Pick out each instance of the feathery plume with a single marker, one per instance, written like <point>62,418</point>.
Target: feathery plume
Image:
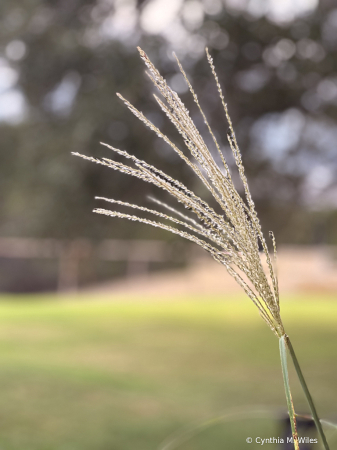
<point>232,237</point>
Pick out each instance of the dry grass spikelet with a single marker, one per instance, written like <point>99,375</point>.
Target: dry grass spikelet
<point>232,237</point>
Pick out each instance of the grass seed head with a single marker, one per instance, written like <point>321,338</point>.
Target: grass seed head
<point>231,237</point>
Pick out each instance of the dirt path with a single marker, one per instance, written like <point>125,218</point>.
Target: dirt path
<point>301,270</point>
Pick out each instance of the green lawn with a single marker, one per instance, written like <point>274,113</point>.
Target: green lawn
<point>80,374</point>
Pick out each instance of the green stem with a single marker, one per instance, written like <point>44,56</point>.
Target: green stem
<point>283,355</point>
<point>307,393</point>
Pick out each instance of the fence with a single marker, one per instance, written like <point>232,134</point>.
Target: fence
<point>137,253</point>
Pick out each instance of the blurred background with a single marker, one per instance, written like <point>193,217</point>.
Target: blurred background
<point>61,64</point>
<point>81,372</point>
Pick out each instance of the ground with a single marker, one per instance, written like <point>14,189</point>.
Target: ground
<point>80,373</point>
<point>301,270</point>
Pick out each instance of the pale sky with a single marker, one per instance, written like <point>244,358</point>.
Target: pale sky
<point>159,14</point>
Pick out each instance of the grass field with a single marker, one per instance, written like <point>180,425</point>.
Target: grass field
<point>80,374</point>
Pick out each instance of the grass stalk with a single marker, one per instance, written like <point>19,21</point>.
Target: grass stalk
<point>307,393</point>
<point>233,236</point>
<point>291,410</point>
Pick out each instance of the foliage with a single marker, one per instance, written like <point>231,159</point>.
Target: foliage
<point>266,68</point>
<point>273,75</point>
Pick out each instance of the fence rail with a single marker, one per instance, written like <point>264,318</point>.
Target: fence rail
<point>137,253</point>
